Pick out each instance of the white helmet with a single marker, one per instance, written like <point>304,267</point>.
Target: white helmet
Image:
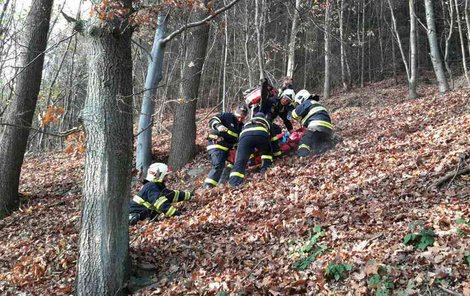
<point>157,171</point>
<point>301,96</point>
<point>289,93</point>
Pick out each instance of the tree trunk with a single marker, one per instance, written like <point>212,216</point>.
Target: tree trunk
<point>154,76</point>
<point>448,38</point>
<point>434,48</point>
<point>107,120</point>
<point>341,38</point>
<point>20,112</point>
<point>413,53</point>
<point>326,86</point>
<point>183,141</point>
<point>462,43</point>
<point>259,42</point>
<point>293,34</point>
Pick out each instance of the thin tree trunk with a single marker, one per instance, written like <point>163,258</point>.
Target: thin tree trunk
<point>154,76</point>
<point>20,112</point>
<point>462,43</point>
<point>247,40</point>
<point>107,119</point>
<point>259,43</point>
<point>224,87</point>
<point>341,38</point>
<point>363,43</point>
<point>326,86</point>
<point>293,34</point>
<point>183,141</point>
<point>448,38</point>
<point>413,53</point>
<point>434,48</point>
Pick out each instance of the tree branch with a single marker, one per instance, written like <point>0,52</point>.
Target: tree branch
<point>198,23</point>
<point>59,134</point>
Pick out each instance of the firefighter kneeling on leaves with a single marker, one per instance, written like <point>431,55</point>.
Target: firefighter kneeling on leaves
<point>154,198</point>
<point>225,128</point>
<point>256,134</point>
<point>315,118</point>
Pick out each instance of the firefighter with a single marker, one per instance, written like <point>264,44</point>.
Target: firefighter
<point>225,128</point>
<point>256,135</point>
<point>154,198</point>
<point>316,119</point>
<point>281,106</point>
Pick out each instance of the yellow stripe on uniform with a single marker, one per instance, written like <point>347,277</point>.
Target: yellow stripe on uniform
<point>305,146</point>
<point>229,165</point>
<point>313,111</point>
<point>267,157</point>
<point>217,146</point>
<point>320,123</point>
<point>295,116</point>
<point>237,174</point>
<point>215,137</point>
<point>210,181</point>
<point>177,194</point>
<point>171,211</point>
<point>275,138</point>
<point>187,195</point>
<point>159,202</point>
<point>252,129</point>
<point>139,200</point>
<point>277,153</point>
<point>233,134</point>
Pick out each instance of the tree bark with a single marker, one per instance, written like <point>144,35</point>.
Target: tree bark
<point>326,86</point>
<point>259,40</point>
<point>20,112</point>
<point>183,141</point>
<point>462,43</point>
<point>154,76</point>
<point>293,34</point>
<point>107,120</point>
<point>434,48</point>
<point>413,53</point>
<point>343,54</point>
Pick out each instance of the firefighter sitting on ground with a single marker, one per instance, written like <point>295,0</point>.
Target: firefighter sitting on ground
<point>281,106</point>
<point>225,128</point>
<point>154,198</point>
<point>256,135</point>
<point>316,119</point>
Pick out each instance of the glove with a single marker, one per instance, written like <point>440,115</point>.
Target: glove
<point>222,128</point>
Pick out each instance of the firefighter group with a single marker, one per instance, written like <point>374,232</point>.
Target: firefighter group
<point>245,137</point>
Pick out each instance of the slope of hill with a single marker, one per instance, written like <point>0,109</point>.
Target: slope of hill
<point>282,232</point>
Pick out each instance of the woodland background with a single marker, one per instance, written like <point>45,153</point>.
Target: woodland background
<point>385,212</point>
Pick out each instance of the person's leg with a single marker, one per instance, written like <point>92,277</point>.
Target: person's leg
<point>218,158</point>
<point>264,146</point>
<point>305,144</point>
<point>244,150</point>
<point>321,142</point>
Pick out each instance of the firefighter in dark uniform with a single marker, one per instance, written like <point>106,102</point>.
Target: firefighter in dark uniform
<point>281,106</point>
<point>225,128</point>
<point>316,119</point>
<point>256,135</point>
<point>154,198</point>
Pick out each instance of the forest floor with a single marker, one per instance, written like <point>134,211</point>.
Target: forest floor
<point>331,224</point>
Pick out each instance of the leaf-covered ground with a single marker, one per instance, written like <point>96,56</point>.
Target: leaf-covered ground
<point>278,234</point>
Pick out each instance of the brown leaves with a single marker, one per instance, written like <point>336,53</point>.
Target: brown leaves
<point>51,115</point>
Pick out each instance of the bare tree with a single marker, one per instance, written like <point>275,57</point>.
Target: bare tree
<point>19,113</point>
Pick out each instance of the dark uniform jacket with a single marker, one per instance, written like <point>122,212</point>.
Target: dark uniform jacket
<point>154,196</point>
<point>313,115</point>
<point>230,137</point>
<point>273,108</point>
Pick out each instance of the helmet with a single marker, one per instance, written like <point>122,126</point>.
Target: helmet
<point>301,96</point>
<point>289,94</point>
<point>242,111</point>
<point>157,171</point>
